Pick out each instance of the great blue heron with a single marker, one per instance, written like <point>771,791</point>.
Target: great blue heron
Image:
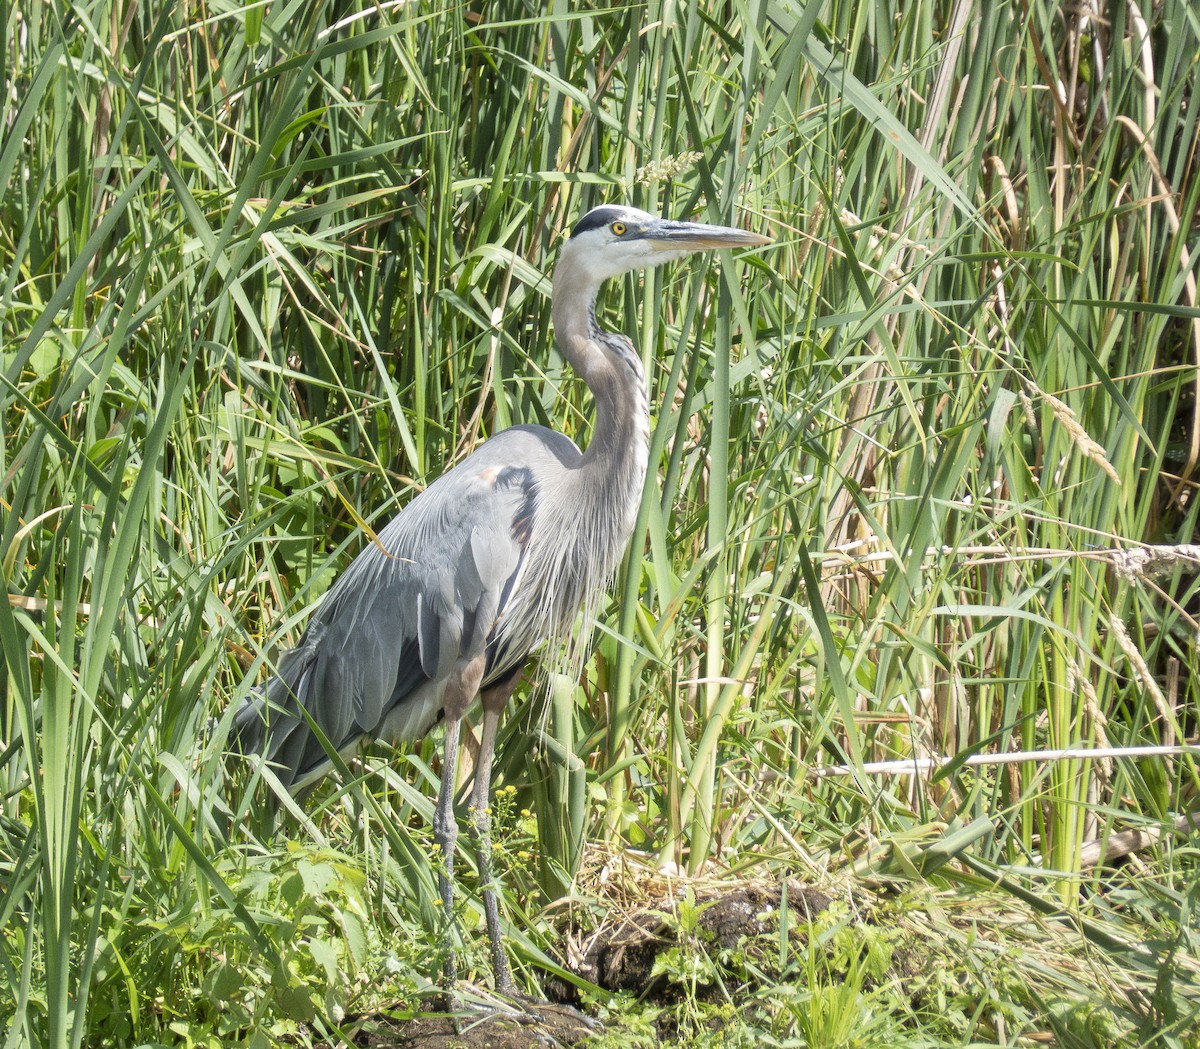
<point>495,557</point>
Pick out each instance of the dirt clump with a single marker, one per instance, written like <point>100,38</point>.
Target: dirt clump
<point>621,956</point>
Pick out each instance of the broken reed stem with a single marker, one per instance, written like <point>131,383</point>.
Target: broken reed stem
<point>1132,564</point>
<point>909,766</point>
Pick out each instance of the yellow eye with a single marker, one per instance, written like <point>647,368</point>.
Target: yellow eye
<point>618,228</point>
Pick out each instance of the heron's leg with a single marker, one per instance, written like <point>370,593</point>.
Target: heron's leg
<point>461,688</point>
<point>445,835</point>
<point>481,828</point>
<point>494,702</point>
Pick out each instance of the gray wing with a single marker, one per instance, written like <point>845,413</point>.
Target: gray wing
<point>428,595</point>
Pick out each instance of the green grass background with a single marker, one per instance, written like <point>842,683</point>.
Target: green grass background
<point>265,270</point>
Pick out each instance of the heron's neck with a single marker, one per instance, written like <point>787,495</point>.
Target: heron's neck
<point>615,460</point>
<point>621,432</point>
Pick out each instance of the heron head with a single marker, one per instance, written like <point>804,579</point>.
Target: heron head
<point>611,239</point>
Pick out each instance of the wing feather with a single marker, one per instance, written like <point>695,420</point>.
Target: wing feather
<point>427,595</point>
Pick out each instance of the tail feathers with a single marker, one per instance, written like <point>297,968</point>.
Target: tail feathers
<point>272,723</point>
<point>249,724</point>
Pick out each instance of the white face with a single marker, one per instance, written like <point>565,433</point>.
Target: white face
<point>610,240</point>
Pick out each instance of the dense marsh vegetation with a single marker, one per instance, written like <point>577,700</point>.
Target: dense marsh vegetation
<point>266,269</point>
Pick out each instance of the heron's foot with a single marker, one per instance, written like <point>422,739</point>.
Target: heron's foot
<point>540,1010</point>
<point>475,1010</point>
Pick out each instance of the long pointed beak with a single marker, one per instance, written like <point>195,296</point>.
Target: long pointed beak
<point>665,235</point>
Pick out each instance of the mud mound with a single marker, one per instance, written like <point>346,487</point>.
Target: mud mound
<point>622,956</point>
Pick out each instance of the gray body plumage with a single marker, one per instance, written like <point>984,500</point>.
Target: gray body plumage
<point>495,557</point>
<point>481,562</point>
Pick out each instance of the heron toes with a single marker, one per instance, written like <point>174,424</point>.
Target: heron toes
<point>539,1010</point>
<point>516,1019</point>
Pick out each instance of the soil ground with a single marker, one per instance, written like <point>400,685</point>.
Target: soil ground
<point>545,1024</point>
